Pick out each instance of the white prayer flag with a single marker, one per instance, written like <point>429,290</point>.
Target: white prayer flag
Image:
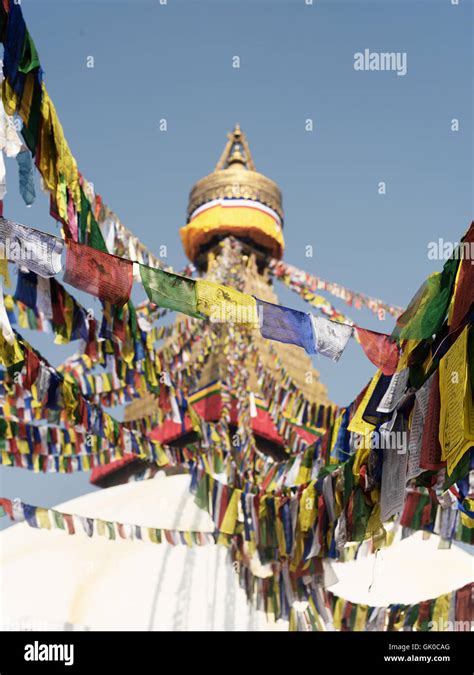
<point>330,337</point>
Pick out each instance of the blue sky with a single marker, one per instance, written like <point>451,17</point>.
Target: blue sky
<point>174,61</point>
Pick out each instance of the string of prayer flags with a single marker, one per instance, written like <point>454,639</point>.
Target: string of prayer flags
<point>33,440</point>
<point>286,325</point>
<point>170,290</point>
<point>61,398</point>
<point>330,337</point>
<point>37,251</point>
<point>65,464</point>
<point>451,612</point>
<point>302,279</point>
<point>379,348</point>
<point>101,274</point>
<point>49,519</point>
<point>110,278</point>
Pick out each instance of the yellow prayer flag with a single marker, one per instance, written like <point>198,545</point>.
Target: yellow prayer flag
<point>10,99</point>
<point>188,539</point>
<point>456,426</point>
<point>357,424</point>
<point>440,614</point>
<point>398,625</point>
<point>360,618</point>
<point>337,614</point>
<point>10,354</point>
<point>230,518</point>
<point>224,304</point>
<point>42,518</point>
<point>307,510</point>
<point>6,278</point>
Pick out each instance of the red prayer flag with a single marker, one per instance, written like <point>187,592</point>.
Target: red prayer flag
<point>411,504</point>
<point>101,274</point>
<point>424,611</point>
<point>91,345</point>
<point>379,349</point>
<point>58,302</point>
<point>32,369</point>
<point>68,519</point>
<point>6,504</point>
<point>430,457</point>
<point>464,606</point>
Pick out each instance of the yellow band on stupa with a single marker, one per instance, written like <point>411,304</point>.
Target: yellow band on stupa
<point>249,220</point>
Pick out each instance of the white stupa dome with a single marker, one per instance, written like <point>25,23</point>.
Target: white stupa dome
<point>51,580</point>
<point>407,572</point>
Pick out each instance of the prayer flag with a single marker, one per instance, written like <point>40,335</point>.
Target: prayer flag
<point>170,290</point>
<point>224,304</point>
<point>426,312</point>
<point>464,290</point>
<point>286,325</point>
<point>38,251</point>
<point>330,337</point>
<point>101,274</point>
<point>380,349</point>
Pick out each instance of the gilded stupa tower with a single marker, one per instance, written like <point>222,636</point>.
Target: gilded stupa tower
<point>234,228</point>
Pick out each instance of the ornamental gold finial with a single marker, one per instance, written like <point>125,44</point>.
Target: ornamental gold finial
<point>236,151</point>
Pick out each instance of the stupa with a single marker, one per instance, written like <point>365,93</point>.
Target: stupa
<point>234,228</point>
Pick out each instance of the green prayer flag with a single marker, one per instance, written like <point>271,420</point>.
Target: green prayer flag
<point>348,481</point>
<point>426,312</point>
<point>58,520</point>
<point>412,617</point>
<point>423,502</point>
<point>83,213</point>
<point>360,515</point>
<point>201,497</point>
<point>29,56</point>
<point>170,290</point>
<point>132,319</point>
<point>111,530</point>
<point>460,470</point>
<point>96,239</point>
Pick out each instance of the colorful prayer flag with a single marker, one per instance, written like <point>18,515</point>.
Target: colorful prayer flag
<point>330,337</point>
<point>170,290</point>
<point>286,325</point>
<point>101,274</point>
<point>380,349</point>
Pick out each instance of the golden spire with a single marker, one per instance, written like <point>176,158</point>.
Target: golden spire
<point>236,151</point>
<point>235,177</point>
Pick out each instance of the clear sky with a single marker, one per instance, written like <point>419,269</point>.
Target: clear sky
<point>175,61</point>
